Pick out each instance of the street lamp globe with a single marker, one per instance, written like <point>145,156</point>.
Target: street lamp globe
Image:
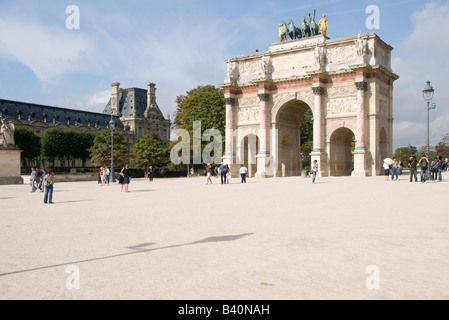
<point>112,124</point>
<point>428,91</point>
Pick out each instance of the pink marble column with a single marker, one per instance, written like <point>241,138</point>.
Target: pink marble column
<point>229,126</point>
<point>264,97</point>
<point>318,92</point>
<point>360,135</point>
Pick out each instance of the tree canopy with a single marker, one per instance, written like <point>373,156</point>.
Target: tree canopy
<point>204,104</point>
<point>100,152</point>
<point>66,144</point>
<point>442,148</point>
<point>28,142</point>
<point>149,151</point>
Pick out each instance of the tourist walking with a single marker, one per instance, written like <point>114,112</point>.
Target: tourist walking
<point>413,165</point>
<point>39,178</point>
<point>127,178</point>
<point>121,179</point>
<point>440,168</point>
<point>33,180</point>
<point>424,164</point>
<point>44,173</point>
<point>106,174</point>
<point>394,169</point>
<point>228,175</point>
<point>150,174</point>
<point>243,171</point>
<point>434,168</point>
<point>223,171</point>
<point>49,181</point>
<point>208,173</point>
<point>100,176</point>
<point>314,170</point>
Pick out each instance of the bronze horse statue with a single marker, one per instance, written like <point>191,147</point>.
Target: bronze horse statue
<point>293,31</point>
<point>283,31</point>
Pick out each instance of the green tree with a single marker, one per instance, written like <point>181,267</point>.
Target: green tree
<point>442,148</point>
<point>28,142</point>
<point>205,104</point>
<point>413,150</point>
<point>67,144</point>
<point>53,144</point>
<point>422,150</point>
<point>84,141</point>
<point>149,151</point>
<point>403,154</point>
<point>306,137</point>
<point>100,152</point>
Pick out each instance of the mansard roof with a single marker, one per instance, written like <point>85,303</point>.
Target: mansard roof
<point>133,103</point>
<point>33,112</point>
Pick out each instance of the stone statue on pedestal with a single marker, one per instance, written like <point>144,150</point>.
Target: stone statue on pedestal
<point>7,134</point>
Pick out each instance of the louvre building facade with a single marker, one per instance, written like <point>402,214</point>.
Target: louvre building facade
<point>134,111</point>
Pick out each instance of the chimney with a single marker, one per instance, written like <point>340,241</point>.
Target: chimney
<point>115,98</point>
<point>151,95</point>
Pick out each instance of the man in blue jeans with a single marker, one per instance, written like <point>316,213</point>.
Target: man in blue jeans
<point>424,163</point>
<point>223,171</point>
<point>394,169</point>
<point>440,168</point>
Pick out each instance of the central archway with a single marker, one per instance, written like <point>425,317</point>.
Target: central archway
<point>288,125</point>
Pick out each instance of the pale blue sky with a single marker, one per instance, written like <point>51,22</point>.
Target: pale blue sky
<point>180,44</point>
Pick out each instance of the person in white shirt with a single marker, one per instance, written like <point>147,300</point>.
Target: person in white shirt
<point>314,170</point>
<point>243,171</point>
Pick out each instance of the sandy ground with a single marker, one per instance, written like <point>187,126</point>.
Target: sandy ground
<point>268,239</point>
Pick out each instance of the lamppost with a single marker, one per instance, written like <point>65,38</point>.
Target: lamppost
<point>112,127</point>
<point>428,92</point>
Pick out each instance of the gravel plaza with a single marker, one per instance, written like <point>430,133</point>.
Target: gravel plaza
<point>176,239</point>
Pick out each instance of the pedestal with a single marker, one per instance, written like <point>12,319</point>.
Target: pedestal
<point>10,165</point>
<point>360,161</point>
<point>262,170</point>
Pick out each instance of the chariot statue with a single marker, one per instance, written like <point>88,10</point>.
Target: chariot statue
<point>307,28</point>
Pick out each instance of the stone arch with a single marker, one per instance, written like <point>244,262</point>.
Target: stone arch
<point>287,121</point>
<point>247,149</point>
<point>281,102</point>
<point>341,161</point>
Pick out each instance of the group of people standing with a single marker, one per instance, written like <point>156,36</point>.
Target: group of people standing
<point>103,176</point>
<point>223,171</point>
<point>43,180</point>
<point>437,166</point>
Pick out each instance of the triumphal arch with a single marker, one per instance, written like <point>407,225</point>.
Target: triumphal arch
<point>346,82</point>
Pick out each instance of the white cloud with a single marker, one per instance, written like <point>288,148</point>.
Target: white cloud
<point>47,51</point>
<point>422,56</point>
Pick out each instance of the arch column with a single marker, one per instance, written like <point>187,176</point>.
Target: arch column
<point>229,156</point>
<point>263,156</point>
<point>318,151</point>
<point>360,151</point>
